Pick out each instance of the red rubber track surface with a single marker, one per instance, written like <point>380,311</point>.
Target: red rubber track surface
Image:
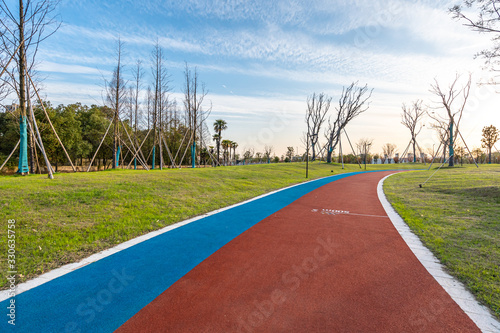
<point>301,270</point>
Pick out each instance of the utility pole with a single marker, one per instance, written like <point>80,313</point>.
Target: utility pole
<point>307,155</point>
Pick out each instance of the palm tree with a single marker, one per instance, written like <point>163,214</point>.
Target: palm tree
<point>230,146</point>
<point>219,126</point>
<point>234,146</point>
<point>211,153</point>
<point>225,145</point>
<point>216,138</point>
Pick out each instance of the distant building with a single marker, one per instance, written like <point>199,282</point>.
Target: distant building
<point>11,108</point>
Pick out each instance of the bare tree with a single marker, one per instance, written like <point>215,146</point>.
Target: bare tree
<point>160,91</point>
<point>138,74</point>
<point>248,154</point>
<point>268,150</point>
<point>258,156</point>
<point>194,95</point>
<point>5,59</point>
<point>410,118</point>
<point>149,107</point>
<point>453,115</point>
<point>289,153</point>
<point>116,98</point>
<point>442,130</point>
<point>20,37</point>
<point>352,103</point>
<point>388,150</point>
<point>364,145</point>
<point>487,20</point>
<point>134,104</point>
<point>317,108</point>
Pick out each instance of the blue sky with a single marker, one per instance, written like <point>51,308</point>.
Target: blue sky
<point>261,59</point>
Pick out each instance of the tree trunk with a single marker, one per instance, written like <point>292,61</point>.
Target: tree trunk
<point>414,152</point>
<point>117,101</point>
<point>329,156</point>
<point>313,157</point>
<point>23,151</point>
<point>218,146</point>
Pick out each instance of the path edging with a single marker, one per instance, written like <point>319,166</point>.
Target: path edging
<point>478,313</point>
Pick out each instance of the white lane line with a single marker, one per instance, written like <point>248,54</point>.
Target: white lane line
<point>478,313</point>
<point>386,217</point>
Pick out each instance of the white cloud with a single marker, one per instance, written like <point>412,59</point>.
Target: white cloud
<point>48,66</point>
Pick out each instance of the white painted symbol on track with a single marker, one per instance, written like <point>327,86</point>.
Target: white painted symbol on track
<point>331,211</point>
<point>325,211</point>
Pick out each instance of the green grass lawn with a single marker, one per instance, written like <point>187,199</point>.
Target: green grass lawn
<point>457,216</point>
<point>68,218</point>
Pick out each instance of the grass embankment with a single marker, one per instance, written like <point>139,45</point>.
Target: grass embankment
<point>457,216</point>
<point>66,219</point>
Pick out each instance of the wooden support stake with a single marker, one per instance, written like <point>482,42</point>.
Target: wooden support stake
<point>50,122</point>
<point>47,163</point>
<point>13,150</point>
<point>104,137</point>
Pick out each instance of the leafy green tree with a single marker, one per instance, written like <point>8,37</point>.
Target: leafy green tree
<point>9,135</point>
<point>67,127</point>
<point>204,156</point>
<point>73,131</point>
<point>93,122</point>
<point>490,137</point>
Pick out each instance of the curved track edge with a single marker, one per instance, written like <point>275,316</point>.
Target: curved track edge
<point>478,313</point>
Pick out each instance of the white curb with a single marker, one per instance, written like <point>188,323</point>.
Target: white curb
<point>479,314</point>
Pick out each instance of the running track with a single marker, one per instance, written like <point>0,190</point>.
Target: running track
<point>318,257</point>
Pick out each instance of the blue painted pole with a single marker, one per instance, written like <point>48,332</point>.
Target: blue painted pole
<point>135,163</point>
<point>118,156</point>
<point>23,148</point>
<point>153,164</point>
<point>451,145</point>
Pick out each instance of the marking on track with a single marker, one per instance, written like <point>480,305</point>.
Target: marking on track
<point>325,211</point>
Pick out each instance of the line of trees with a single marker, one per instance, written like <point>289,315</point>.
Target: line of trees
<point>82,129</point>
